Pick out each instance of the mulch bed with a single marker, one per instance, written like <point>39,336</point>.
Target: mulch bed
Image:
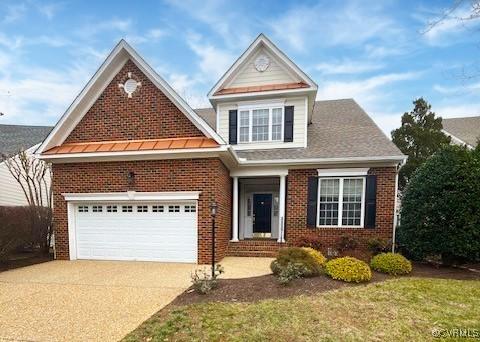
<point>267,287</point>
<point>24,259</point>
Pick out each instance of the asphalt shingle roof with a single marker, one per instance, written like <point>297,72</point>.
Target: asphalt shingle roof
<point>339,129</point>
<point>14,138</point>
<point>465,129</point>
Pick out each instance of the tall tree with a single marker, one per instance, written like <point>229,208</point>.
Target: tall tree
<point>419,136</point>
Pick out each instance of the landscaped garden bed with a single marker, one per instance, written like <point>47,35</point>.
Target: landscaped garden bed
<point>261,308</point>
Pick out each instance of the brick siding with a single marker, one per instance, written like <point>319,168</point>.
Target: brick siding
<point>149,114</point>
<point>296,220</point>
<point>209,176</point>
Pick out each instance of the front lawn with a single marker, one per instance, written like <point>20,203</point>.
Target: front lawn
<point>402,309</point>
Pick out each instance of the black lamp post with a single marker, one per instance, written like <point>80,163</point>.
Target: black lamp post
<point>213,212</point>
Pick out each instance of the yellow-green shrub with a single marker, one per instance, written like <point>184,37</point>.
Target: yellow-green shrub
<point>316,255</point>
<point>298,256</point>
<point>348,269</point>
<point>391,263</point>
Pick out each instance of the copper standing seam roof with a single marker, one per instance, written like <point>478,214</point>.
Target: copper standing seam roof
<point>267,87</point>
<point>133,145</point>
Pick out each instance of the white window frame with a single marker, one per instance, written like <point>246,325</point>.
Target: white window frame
<point>340,203</point>
<point>250,110</point>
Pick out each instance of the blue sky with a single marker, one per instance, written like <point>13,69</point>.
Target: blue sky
<point>375,53</point>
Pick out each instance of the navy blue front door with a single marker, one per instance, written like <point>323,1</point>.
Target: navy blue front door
<point>262,209</point>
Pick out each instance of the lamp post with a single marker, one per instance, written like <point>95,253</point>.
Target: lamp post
<point>213,212</point>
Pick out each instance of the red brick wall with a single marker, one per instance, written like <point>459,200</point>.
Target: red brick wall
<point>296,226</point>
<point>149,114</point>
<point>209,176</point>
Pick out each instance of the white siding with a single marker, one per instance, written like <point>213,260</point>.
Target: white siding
<point>299,133</point>
<point>249,76</point>
<point>11,192</point>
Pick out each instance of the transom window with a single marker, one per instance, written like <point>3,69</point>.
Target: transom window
<point>341,202</point>
<point>260,124</point>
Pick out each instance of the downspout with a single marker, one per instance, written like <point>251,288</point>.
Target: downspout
<point>395,214</point>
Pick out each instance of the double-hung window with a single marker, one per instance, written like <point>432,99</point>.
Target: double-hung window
<point>341,201</point>
<point>259,124</point>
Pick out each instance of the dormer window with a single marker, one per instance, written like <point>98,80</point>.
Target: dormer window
<point>260,123</point>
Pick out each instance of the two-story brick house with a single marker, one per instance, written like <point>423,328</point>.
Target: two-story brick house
<point>135,169</point>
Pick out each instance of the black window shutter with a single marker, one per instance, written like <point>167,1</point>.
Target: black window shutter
<point>232,126</point>
<point>288,124</point>
<point>312,201</point>
<point>370,201</point>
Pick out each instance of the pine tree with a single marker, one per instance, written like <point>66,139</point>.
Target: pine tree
<point>419,137</point>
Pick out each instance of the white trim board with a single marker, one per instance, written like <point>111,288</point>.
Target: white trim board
<point>131,196</point>
<point>100,80</point>
<point>342,172</point>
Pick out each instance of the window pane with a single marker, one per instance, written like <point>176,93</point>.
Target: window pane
<point>277,124</point>
<point>352,202</point>
<point>329,198</point>
<point>244,119</point>
<point>260,125</point>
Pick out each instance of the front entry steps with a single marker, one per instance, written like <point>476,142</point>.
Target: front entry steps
<point>255,248</point>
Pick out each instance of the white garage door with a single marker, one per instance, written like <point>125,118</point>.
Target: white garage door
<point>137,231</point>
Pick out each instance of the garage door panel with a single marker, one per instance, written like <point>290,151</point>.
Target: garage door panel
<point>154,236</point>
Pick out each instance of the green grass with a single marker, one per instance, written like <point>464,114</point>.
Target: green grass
<point>402,309</point>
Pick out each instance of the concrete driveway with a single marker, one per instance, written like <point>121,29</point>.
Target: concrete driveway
<point>95,300</point>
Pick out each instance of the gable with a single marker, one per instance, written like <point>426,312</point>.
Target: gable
<point>275,73</point>
<point>148,114</point>
<point>278,74</point>
<point>95,88</point>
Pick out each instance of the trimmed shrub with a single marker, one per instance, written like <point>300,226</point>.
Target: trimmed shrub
<point>311,241</point>
<point>318,256</point>
<point>348,269</point>
<point>441,207</point>
<point>297,256</point>
<point>391,263</point>
<point>377,245</point>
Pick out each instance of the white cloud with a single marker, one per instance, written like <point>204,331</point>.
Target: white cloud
<point>11,43</point>
<point>213,61</point>
<point>353,24</point>
<point>48,9</point>
<point>445,26</point>
<point>363,89</point>
<point>14,13</point>
<point>225,18</point>
<point>457,90</point>
<point>457,110</point>
<point>347,66</point>
<point>115,24</point>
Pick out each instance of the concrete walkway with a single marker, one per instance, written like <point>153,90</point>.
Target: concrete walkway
<point>95,300</point>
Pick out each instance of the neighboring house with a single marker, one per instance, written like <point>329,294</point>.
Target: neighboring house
<point>135,169</point>
<point>463,131</point>
<point>13,139</point>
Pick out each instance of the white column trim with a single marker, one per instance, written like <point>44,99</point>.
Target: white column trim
<point>281,209</point>
<point>72,239</point>
<point>235,211</point>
